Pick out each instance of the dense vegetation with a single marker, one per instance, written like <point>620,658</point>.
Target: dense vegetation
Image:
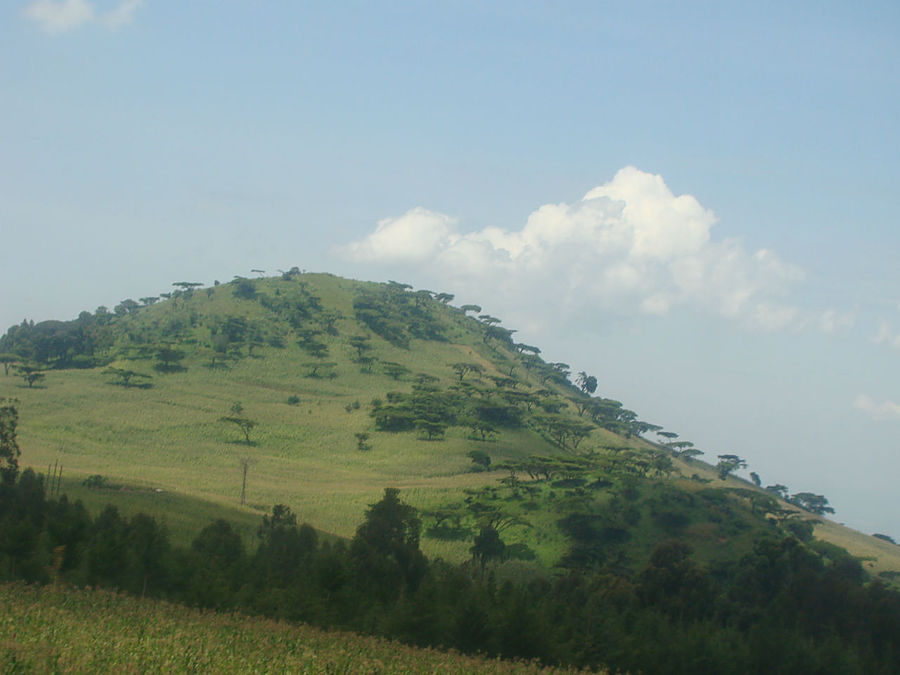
<point>782,608</point>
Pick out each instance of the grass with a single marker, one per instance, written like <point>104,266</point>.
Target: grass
<point>180,462</point>
<point>169,436</point>
<point>60,630</point>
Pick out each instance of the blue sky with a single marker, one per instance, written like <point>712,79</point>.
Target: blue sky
<point>696,202</point>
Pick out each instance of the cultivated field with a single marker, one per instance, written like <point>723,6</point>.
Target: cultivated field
<point>60,630</point>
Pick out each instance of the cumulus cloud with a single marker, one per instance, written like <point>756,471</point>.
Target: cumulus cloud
<point>413,237</point>
<point>61,16</point>
<point>886,410</point>
<point>629,245</point>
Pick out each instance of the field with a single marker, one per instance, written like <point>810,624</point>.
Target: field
<point>59,630</point>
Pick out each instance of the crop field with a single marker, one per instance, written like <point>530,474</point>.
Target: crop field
<point>54,629</point>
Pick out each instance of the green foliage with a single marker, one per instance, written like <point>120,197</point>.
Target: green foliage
<point>9,445</point>
<point>244,423</point>
<point>396,315</point>
<point>126,377</point>
<point>480,459</point>
<point>729,464</point>
<point>813,503</point>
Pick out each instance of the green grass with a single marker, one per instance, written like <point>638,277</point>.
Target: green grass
<point>169,436</point>
<point>181,463</point>
<point>183,516</point>
<point>59,630</point>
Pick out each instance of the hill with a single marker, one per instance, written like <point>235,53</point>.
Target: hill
<point>322,391</point>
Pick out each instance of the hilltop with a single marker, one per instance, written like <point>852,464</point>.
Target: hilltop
<point>323,391</point>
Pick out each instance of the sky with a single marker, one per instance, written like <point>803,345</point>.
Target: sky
<point>695,202</point>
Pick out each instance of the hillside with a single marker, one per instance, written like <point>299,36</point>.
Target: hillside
<point>328,390</point>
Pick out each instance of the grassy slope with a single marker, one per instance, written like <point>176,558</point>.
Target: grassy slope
<point>59,630</point>
<point>169,437</point>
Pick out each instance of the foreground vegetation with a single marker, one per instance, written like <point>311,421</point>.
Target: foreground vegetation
<point>63,630</point>
<point>786,608</point>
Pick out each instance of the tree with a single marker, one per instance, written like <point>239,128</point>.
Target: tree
<point>394,370</point>
<point>729,464</point>
<point>237,417</point>
<point>7,360</point>
<point>362,344</point>
<point>169,357</point>
<point>461,369</point>
<point>362,441</point>
<point>386,545</point>
<point>813,503</point>
<point>778,490</point>
<point>30,374</point>
<point>757,481</point>
<point>470,308</point>
<point>480,458</point>
<point>587,383</point>
<point>488,546</point>
<point>9,446</point>
<point>689,453</point>
<point>126,376</point>
<point>432,428</point>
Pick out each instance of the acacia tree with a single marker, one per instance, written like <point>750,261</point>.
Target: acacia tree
<point>394,370</point>
<point>126,376</point>
<point>462,369</point>
<point>587,383</point>
<point>729,464</point>
<point>237,417</point>
<point>813,503</point>
<point>30,374</point>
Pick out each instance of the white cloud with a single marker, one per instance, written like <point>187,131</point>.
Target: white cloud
<point>628,246</point>
<point>415,236</point>
<point>60,16</point>
<point>886,410</point>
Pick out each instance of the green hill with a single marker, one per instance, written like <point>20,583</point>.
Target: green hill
<point>323,391</point>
